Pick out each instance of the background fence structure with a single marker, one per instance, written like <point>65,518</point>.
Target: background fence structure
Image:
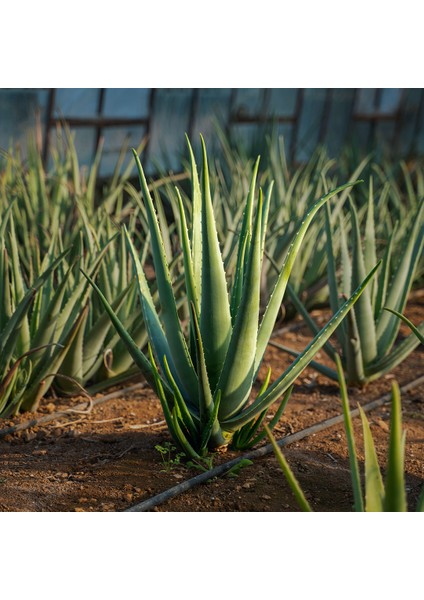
<point>389,120</point>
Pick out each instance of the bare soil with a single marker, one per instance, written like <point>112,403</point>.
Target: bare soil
<point>106,460</point>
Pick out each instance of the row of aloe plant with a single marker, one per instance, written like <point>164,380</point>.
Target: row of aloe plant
<point>95,342</point>
<point>53,224</point>
<point>367,338</point>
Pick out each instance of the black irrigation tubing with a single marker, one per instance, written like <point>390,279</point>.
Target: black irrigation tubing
<point>69,411</point>
<point>263,451</point>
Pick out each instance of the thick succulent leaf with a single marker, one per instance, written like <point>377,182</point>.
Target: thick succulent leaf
<point>42,376</point>
<point>189,267</point>
<point>288,474</point>
<point>411,326</point>
<point>353,459</point>
<point>154,328</point>
<point>244,245</point>
<point>374,488</point>
<point>400,285</point>
<point>196,232</point>
<point>181,357</point>
<point>352,351</point>
<point>383,278</point>
<point>237,373</point>
<point>277,295</point>
<point>395,496</point>
<point>370,254</point>
<point>207,402</point>
<point>398,354</point>
<point>363,309</point>
<point>215,318</point>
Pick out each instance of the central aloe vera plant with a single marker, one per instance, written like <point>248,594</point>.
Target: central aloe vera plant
<point>204,376</point>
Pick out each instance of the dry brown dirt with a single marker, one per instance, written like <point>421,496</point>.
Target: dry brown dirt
<point>106,460</point>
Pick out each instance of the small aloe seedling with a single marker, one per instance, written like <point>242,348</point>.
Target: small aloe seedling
<point>204,376</point>
<point>379,495</point>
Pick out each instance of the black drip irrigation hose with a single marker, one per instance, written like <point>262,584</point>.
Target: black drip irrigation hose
<point>69,411</point>
<point>176,490</point>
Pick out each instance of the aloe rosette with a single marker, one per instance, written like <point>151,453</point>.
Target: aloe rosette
<point>204,375</point>
<point>368,337</point>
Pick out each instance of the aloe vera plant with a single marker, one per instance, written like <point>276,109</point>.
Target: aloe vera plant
<point>204,379</point>
<point>378,495</point>
<point>367,337</point>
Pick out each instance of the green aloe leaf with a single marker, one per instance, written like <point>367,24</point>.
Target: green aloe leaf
<point>172,326</point>
<point>374,488</point>
<point>276,298</point>
<point>395,496</point>
<point>215,317</point>
<point>411,326</point>
<point>288,474</point>
<point>363,309</point>
<point>353,460</point>
<point>237,372</point>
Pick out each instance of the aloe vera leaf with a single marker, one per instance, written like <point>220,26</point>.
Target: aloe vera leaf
<point>189,267</point>
<point>288,474</point>
<point>352,351</point>
<point>215,317</point>
<point>272,423</point>
<point>353,459</point>
<point>72,364</point>
<point>395,357</point>
<point>332,273</point>
<point>401,283</point>
<point>95,335</point>
<point>346,262</point>
<point>210,428</point>
<point>8,335</point>
<point>383,278</point>
<point>137,355</point>
<point>49,365</point>
<point>157,336</point>
<point>323,369</point>
<point>186,416</point>
<point>207,402</point>
<point>157,383</point>
<point>244,244</point>
<point>276,298</point>
<point>363,309</point>
<point>245,433</point>
<point>395,496</point>
<point>236,378</point>
<point>300,363</point>
<point>301,309</point>
<point>196,232</point>
<point>24,340</point>
<point>184,370</point>
<point>411,326</point>
<point>374,488</point>
<point>370,254</point>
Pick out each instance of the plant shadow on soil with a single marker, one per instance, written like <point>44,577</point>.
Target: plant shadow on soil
<point>107,461</point>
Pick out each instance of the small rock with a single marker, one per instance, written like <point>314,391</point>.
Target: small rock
<point>28,436</point>
<point>40,452</point>
<point>79,509</point>
<point>266,497</point>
